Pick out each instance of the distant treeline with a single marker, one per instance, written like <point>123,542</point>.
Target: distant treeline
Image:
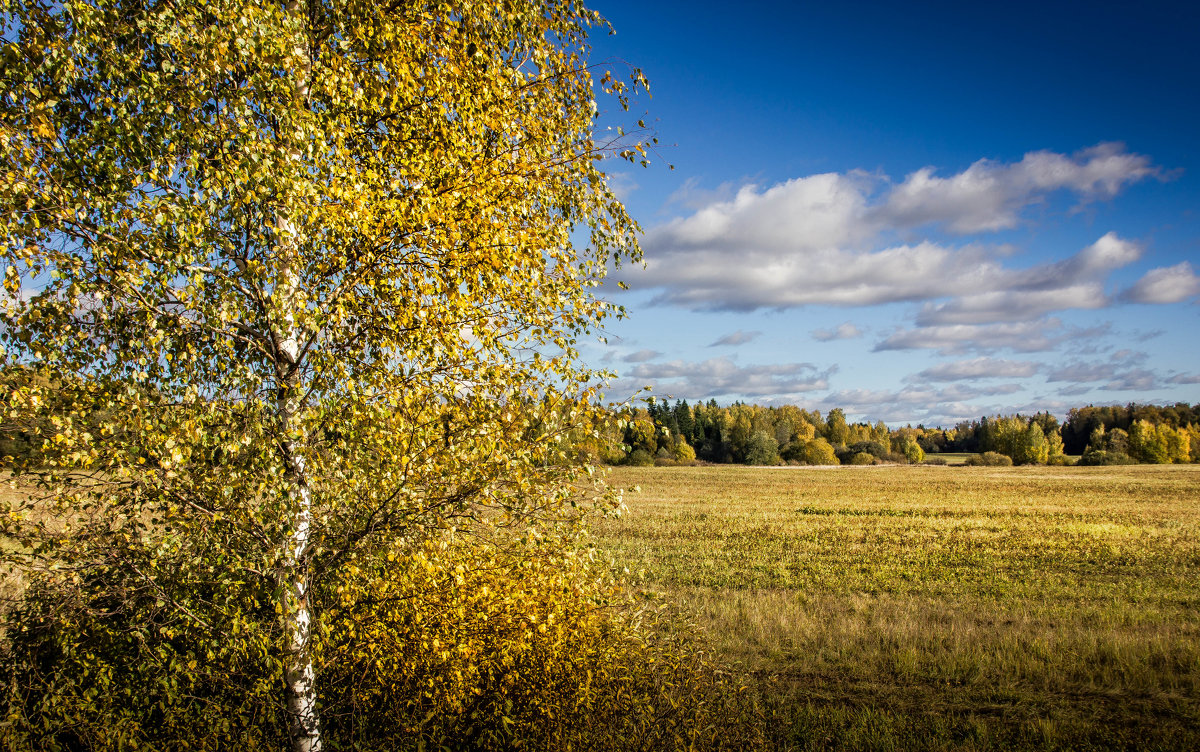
<point>664,434</point>
<point>680,433</point>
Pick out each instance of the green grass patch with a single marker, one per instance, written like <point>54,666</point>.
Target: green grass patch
<point>951,458</point>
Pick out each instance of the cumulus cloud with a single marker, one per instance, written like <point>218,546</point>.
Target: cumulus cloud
<point>1024,294</point>
<point>728,279</point>
<point>979,368</point>
<point>1167,284</point>
<point>989,196</point>
<point>860,239</point>
<point>845,330</point>
<point>720,377</point>
<point>824,239</point>
<point>804,214</point>
<point>1106,254</point>
<point>735,338</point>
<point>796,243</point>
<point>641,356</point>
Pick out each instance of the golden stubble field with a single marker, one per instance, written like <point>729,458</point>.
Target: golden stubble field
<point>937,607</point>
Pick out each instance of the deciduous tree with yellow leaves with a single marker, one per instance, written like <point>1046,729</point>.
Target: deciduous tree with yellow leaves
<point>303,282</point>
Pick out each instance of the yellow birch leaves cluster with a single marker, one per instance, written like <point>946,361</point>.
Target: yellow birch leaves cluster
<point>342,246</point>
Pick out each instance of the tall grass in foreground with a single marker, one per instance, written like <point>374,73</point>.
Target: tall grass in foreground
<point>939,607</point>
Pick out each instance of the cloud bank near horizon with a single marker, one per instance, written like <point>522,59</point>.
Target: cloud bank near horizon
<point>994,311</point>
<point>723,377</point>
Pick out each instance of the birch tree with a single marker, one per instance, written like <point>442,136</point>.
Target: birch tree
<point>305,279</point>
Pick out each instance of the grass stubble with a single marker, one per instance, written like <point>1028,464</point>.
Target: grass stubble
<point>897,608</point>
<point>933,608</point>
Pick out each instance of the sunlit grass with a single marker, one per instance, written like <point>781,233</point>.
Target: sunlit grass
<point>939,607</point>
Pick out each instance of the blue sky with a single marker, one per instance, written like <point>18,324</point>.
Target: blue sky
<point>916,212</point>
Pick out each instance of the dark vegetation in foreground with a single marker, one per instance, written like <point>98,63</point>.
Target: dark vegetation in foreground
<point>448,649</point>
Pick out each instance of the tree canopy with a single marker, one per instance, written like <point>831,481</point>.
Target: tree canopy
<point>304,283</point>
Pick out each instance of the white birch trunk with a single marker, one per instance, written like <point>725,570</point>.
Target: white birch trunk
<point>299,672</point>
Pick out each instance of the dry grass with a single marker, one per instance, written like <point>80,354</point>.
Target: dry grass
<point>939,607</point>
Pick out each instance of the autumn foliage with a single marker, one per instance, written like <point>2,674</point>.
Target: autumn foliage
<point>293,293</point>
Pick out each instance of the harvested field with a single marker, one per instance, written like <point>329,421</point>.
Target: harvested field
<point>938,607</point>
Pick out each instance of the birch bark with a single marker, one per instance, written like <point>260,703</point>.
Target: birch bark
<point>299,672</point>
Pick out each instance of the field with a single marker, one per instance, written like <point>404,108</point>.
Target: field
<point>953,458</point>
<point>937,607</point>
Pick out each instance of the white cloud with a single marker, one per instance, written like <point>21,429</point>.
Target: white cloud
<point>1167,284</point>
<point>715,279</point>
<point>1025,294</point>
<point>1106,254</point>
<point>857,239</point>
<point>845,330</point>
<point>1026,336</point>
<point>804,214</point>
<point>735,338</point>
<point>916,404</point>
<point>989,196</point>
<point>979,368</point>
<point>720,377</point>
<point>829,239</point>
<point>799,242</point>
<point>1011,305</point>
<point>1041,335</point>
